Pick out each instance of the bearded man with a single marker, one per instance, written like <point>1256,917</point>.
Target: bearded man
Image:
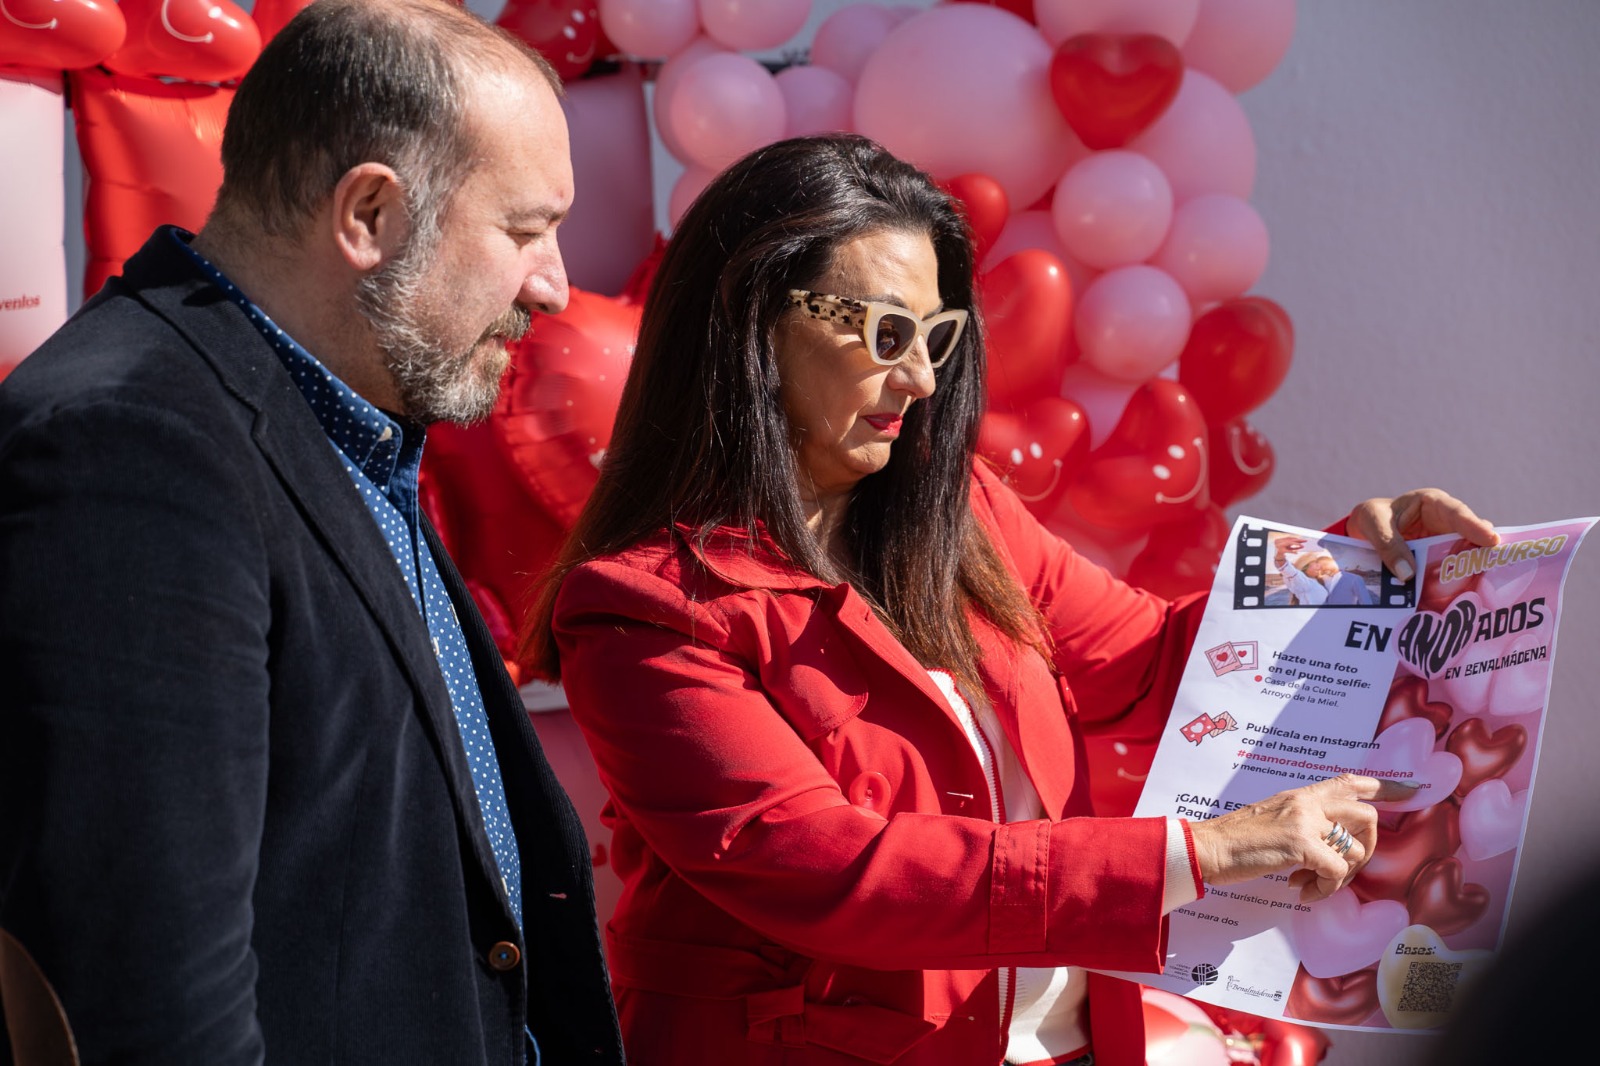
<point>266,791</point>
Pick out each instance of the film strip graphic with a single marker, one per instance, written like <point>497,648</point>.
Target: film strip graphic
<point>1252,563</point>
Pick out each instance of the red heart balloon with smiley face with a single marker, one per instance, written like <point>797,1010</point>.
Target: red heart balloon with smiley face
<point>1416,839</point>
<point>565,32</point>
<point>196,40</point>
<point>60,34</point>
<point>1441,899</point>
<point>1152,468</point>
<point>1111,87</point>
<point>1484,754</point>
<point>1348,999</point>
<point>1038,450</point>
<point>1241,462</point>
<point>1408,698</point>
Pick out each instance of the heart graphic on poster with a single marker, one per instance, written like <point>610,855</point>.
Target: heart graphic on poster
<point>1491,819</point>
<point>1408,698</point>
<point>1441,899</point>
<point>1341,934</point>
<point>1348,999</point>
<point>1407,748</point>
<point>1502,586</point>
<point>1430,640</point>
<point>1418,837</point>
<point>1521,687</point>
<point>1436,595</point>
<point>1417,945</point>
<point>1484,754</point>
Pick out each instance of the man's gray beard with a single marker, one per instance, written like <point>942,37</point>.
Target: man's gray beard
<point>433,387</point>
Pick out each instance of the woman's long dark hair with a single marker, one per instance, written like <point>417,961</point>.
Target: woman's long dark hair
<point>701,436</point>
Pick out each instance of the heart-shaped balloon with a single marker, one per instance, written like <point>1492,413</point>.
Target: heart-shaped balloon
<point>1027,310</point>
<point>1237,355</point>
<point>560,398</point>
<point>1484,754</point>
<point>1241,462</point>
<point>1491,819</point>
<point>1038,450</point>
<point>1416,839</point>
<point>1152,468</point>
<point>565,32</point>
<point>1441,899</point>
<point>1418,963</point>
<point>1178,1032</point>
<point>984,202</point>
<point>1341,934</point>
<point>60,34</point>
<point>1405,750</point>
<point>1345,999</point>
<point>1437,595</point>
<point>1111,87</point>
<point>1181,557</point>
<point>196,40</point>
<point>1408,698</point>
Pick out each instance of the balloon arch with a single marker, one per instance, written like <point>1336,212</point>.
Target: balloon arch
<point>1098,147</point>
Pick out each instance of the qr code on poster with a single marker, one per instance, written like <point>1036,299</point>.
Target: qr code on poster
<point>1430,987</point>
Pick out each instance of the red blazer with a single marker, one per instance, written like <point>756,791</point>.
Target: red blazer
<point>810,872</point>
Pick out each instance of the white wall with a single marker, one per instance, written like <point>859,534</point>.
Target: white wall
<point>1426,173</point>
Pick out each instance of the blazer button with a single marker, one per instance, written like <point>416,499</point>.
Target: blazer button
<point>870,790</point>
<point>504,956</point>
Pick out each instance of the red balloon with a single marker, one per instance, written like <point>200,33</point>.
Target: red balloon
<point>1348,999</point>
<point>1483,754</point>
<point>1408,698</point>
<point>1287,1044</point>
<point>1020,8</point>
<point>1038,450</point>
<point>1416,839</point>
<point>60,34</point>
<point>153,154</point>
<point>1111,87</point>
<point>272,15</point>
<point>1181,557</point>
<point>1152,468</point>
<point>1236,356</point>
<point>987,208</point>
<point>560,397</point>
<point>1027,313</point>
<point>1240,462</point>
<point>566,32</point>
<point>1441,899</point>
<point>196,40</point>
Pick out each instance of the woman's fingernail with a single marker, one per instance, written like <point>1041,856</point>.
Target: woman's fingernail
<point>1403,570</point>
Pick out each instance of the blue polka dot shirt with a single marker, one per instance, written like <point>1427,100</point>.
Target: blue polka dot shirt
<point>383,458</point>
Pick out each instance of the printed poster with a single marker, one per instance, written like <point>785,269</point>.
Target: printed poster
<point>1312,660</point>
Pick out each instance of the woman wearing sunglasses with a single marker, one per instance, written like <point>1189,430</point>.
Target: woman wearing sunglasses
<point>835,676</point>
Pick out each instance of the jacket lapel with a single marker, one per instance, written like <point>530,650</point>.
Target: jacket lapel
<point>293,443</point>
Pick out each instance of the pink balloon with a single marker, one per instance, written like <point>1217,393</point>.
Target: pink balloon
<point>964,88</point>
<point>1131,322</point>
<point>749,25</point>
<point>725,105</point>
<point>690,183</point>
<point>612,225</point>
<point>816,100</point>
<point>850,35</point>
<point>1112,209</point>
<point>1216,249</point>
<point>649,28</point>
<point>1240,42</point>
<point>1060,19</point>
<point>667,79</point>
<point>1202,142</point>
